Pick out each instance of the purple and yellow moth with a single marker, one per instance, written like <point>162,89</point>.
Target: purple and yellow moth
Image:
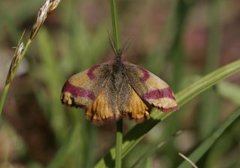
<point>117,89</point>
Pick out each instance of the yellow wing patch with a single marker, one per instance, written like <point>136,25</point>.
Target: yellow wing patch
<point>136,108</point>
<point>101,111</point>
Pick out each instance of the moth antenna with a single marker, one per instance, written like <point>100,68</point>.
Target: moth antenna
<point>126,45</point>
<point>112,45</point>
<point>117,52</point>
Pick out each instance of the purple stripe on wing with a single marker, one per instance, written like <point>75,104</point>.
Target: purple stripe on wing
<point>145,74</point>
<point>159,93</point>
<point>90,72</point>
<point>78,91</point>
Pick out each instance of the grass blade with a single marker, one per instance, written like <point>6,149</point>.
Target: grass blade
<point>22,48</point>
<point>116,46</point>
<point>203,148</point>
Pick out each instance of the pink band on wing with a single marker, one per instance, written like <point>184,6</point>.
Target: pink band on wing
<point>78,91</point>
<point>90,72</point>
<point>145,74</point>
<point>159,93</point>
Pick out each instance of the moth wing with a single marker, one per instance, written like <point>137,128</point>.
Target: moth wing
<point>81,89</point>
<point>151,88</point>
<point>134,107</point>
<point>89,89</point>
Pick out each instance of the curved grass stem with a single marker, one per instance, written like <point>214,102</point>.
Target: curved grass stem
<point>22,48</point>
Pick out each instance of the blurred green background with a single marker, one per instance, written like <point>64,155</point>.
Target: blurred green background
<point>179,40</point>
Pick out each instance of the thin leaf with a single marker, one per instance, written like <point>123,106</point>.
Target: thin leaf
<point>203,148</point>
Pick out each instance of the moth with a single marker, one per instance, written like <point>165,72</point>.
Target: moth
<point>117,89</point>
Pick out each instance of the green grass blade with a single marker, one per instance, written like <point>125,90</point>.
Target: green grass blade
<point>115,26</point>
<point>135,135</point>
<point>119,124</point>
<point>3,97</point>
<point>22,47</point>
<point>203,148</point>
<point>207,81</point>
